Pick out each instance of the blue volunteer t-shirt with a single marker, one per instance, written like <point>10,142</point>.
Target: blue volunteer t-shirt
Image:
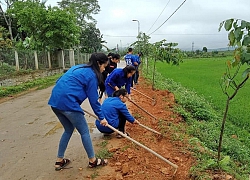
<point>117,78</point>
<point>112,107</point>
<point>130,59</point>
<point>71,89</point>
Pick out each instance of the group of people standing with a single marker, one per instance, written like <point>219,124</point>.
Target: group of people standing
<point>83,81</point>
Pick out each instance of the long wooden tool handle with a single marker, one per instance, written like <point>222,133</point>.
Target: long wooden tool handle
<point>143,109</point>
<point>139,144</point>
<point>139,123</point>
<point>142,94</point>
<point>149,129</point>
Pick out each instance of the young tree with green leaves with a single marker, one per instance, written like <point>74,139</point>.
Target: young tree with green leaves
<point>239,36</point>
<point>145,47</point>
<point>165,52</point>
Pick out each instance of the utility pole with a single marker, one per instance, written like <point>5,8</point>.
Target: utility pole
<point>192,46</point>
<point>121,45</point>
<point>138,32</point>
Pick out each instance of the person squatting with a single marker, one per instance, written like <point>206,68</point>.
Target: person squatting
<point>116,113</point>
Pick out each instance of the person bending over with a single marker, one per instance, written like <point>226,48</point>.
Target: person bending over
<point>77,84</point>
<point>118,78</point>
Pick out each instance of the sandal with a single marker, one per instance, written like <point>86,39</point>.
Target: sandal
<point>120,136</point>
<point>98,162</point>
<point>62,164</point>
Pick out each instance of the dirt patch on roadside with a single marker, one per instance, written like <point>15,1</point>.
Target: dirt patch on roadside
<point>130,161</point>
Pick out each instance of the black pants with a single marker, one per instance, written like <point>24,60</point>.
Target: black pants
<point>122,122</point>
<point>136,76</point>
<point>132,81</point>
<point>121,125</point>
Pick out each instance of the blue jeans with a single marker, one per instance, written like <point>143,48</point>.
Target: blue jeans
<point>71,120</point>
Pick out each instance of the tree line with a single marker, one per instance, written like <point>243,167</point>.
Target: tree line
<point>32,25</point>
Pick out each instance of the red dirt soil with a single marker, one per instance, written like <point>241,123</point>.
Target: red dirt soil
<point>131,161</point>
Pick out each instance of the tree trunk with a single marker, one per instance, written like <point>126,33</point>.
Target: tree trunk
<point>8,22</point>
<point>225,114</point>
<point>153,86</point>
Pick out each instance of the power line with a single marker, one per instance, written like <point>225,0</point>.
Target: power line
<point>191,34</point>
<point>169,35</point>
<point>159,16</point>
<point>117,36</point>
<point>169,17</point>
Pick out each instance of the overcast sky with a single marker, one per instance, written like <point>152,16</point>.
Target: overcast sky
<point>193,26</point>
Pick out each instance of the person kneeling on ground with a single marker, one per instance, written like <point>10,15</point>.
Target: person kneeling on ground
<point>116,113</point>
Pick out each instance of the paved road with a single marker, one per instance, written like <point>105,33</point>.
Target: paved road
<point>29,136</point>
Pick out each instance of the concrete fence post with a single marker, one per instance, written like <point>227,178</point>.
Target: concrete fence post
<point>49,61</point>
<point>17,61</point>
<point>36,59</point>
<point>71,57</point>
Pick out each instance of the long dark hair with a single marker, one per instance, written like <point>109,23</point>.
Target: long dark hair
<point>95,60</point>
<point>128,69</point>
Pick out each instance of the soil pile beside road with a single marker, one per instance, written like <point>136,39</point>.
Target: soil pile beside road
<point>132,162</point>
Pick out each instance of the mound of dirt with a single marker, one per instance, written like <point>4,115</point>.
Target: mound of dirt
<point>130,161</point>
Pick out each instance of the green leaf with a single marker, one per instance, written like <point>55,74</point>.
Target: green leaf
<point>211,163</point>
<point>243,24</point>
<point>248,25</point>
<point>220,26</point>
<point>228,24</point>
<point>238,43</point>
<point>231,38</point>
<point>238,34</point>
<point>246,72</point>
<point>235,24</point>
<point>245,58</point>
<point>225,161</point>
<point>246,40</point>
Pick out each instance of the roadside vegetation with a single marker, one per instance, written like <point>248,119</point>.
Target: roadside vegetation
<point>195,84</point>
<point>40,83</point>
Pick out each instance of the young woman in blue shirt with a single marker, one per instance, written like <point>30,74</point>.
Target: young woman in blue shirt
<point>118,78</point>
<point>116,113</point>
<point>71,89</point>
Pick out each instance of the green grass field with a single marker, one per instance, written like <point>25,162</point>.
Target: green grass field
<point>201,102</point>
<point>203,77</point>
